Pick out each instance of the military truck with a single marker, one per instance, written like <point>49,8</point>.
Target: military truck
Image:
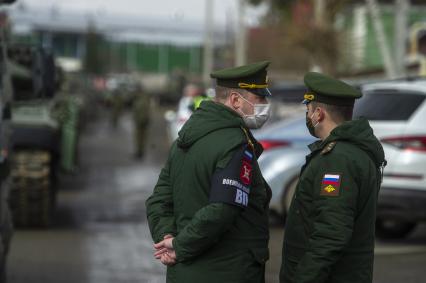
<point>36,135</point>
<point>6,228</point>
<point>43,133</point>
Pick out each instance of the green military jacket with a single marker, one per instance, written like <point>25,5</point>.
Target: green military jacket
<point>141,105</point>
<point>212,197</point>
<point>329,235</point>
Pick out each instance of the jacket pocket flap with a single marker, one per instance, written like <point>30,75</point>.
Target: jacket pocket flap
<point>261,255</point>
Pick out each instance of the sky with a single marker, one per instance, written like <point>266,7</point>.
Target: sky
<point>180,10</point>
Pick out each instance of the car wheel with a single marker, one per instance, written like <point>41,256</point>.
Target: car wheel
<point>392,229</point>
<point>288,195</point>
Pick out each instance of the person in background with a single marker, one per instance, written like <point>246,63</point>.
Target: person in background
<point>141,117</point>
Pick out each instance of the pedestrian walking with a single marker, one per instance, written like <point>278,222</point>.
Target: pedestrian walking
<point>141,118</point>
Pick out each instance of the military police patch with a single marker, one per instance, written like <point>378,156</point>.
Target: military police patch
<point>245,173</point>
<point>330,185</point>
<point>232,184</point>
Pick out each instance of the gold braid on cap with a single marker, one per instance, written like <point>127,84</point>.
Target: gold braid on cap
<point>244,85</point>
<point>309,96</point>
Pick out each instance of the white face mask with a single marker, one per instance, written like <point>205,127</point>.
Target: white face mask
<point>261,113</point>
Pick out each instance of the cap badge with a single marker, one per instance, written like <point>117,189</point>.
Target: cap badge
<point>309,96</point>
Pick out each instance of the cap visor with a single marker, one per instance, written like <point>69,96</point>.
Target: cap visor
<point>261,91</point>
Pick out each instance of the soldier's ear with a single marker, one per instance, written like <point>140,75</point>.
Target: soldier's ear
<point>321,114</point>
<point>234,99</point>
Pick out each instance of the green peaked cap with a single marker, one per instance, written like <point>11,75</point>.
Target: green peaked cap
<point>251,77</point>
<point>329,90</point>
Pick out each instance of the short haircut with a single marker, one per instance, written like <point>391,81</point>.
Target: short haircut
<point>222,93</point>
<point>338,113</point>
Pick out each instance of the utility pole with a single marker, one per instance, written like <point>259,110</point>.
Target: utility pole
<point>319,12</point>
<point>381,38</point>
<point>241,35</point>
<point>359,36</point>
<point>402,7</point>
<point>208,42</point>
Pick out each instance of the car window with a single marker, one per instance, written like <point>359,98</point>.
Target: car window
<point>294,128</point>
<point>388,105</point>
<point>288,92</point>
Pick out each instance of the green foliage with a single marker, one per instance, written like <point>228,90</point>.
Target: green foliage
<point>279,11</point>
<point>306,40</point>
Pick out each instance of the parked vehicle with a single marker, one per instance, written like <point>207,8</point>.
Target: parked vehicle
<point>285,147</point>
<point>396,111</point>
<point>177,119</point>
<point>6,230</point>
<point>43,135</point>
<point>189,101</point>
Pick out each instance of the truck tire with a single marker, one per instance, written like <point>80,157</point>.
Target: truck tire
<point>31,195</point>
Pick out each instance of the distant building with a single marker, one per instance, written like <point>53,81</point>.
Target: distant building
<point>129,43</point>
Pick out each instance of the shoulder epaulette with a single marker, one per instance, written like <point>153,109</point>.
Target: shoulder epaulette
<point>329,147</point>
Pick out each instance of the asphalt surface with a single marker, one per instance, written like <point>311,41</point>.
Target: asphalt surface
<point>396,261</point>
<point>101,235</point>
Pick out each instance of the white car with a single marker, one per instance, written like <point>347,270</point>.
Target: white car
<point>177,119</point>
<point>397,113</point>
<point>285,147</point>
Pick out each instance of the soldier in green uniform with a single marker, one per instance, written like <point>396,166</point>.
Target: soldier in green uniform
<point>329,235</point>
<point>141,106</point>
<point>208,214</point>
<point>117,103</point>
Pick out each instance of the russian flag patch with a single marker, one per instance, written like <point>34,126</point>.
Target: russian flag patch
<point>330,185</point>
<point>248,155</point>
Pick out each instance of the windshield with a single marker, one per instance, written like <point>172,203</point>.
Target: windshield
<point>285,130</point>
<point>388,105</point>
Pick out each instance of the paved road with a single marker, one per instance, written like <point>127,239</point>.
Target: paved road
<point>101,234</point>
<point>400,261</point>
